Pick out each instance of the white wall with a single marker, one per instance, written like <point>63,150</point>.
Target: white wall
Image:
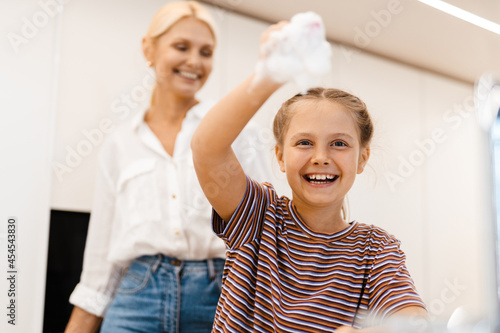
<point>27,85</point>
<point>434,206</point>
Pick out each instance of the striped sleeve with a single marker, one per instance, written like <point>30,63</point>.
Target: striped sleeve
<point>391,286</point>
<point>246,223</point>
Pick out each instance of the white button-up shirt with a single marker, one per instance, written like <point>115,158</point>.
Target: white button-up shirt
<point>147,202</point>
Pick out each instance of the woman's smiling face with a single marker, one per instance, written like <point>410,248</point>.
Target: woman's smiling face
<point>321,153</point>
<point>182,57</point>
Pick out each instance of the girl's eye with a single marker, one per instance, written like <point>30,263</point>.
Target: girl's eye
<point>304,143</point>
<point>339,144</point>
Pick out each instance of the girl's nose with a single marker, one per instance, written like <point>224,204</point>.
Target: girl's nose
<point>320,156</point>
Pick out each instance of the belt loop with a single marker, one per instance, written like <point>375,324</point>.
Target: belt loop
<point>157,263</point>
<point>211,269</point>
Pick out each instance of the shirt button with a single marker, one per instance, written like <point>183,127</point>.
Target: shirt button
<point>173,196</point>
<point>177,232</point>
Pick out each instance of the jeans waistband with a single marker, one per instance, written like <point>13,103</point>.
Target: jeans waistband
<point>156,260</point>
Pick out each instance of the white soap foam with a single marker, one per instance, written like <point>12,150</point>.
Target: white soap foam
<point>299,52</point>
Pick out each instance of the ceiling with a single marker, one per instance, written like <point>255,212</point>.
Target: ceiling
<point>413,33</point>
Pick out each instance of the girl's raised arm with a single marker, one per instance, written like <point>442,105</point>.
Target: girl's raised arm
<point>219,172</point>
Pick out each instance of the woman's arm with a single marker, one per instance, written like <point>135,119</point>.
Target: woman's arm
<point>219,172</point>
<point>99,276</point>
<point>82,321</point>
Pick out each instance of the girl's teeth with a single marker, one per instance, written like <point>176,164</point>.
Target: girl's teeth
<point>319,179</point>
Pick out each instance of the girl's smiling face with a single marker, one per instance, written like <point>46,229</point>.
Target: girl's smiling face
<point>182,57</point>
<point>321,153</point>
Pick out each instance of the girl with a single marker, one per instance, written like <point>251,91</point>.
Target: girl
<point>149,265</point>
<point>296,265</point>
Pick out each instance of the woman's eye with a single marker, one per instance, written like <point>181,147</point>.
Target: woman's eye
<point>206,53</point>
<point>181,47</point>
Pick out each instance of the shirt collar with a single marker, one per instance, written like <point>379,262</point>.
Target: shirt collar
<point>138,119</point>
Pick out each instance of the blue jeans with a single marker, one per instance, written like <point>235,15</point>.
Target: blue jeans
<point>163,294</point>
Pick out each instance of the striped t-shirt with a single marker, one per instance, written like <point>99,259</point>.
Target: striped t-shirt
<point>282,276</point>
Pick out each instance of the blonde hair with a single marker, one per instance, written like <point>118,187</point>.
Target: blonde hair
<point>355,106</point>
<point>170,14</point>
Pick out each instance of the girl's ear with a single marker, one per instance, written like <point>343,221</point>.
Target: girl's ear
<point>363,159</point>
<point>279,157</point>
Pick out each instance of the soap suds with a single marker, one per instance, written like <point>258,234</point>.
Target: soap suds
<point>298,53</point>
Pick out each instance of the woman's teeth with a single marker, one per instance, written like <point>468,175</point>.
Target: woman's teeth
<point>188,75</point>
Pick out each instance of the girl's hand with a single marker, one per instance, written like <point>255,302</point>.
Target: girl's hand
<point>295,51</point>
<point>263,49</point>
<point>261,75</point>
<point>346,329</point>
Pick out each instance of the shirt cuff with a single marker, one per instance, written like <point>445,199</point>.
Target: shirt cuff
<point>90,300</point>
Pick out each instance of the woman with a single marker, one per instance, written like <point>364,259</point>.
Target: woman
<point>152,263</point>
